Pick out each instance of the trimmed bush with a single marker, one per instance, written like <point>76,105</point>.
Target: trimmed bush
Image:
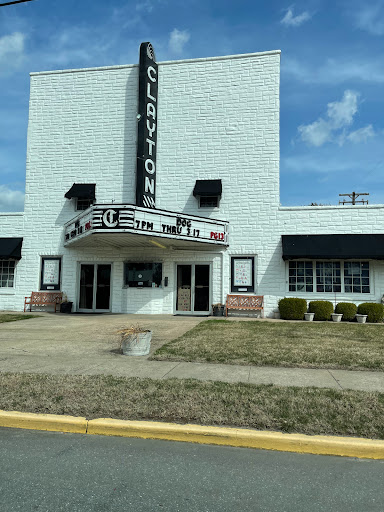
<point>292,309</point>
<point>375,312</point>
<point>348,310</point>
<point>323,309</point>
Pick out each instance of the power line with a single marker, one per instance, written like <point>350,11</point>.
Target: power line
<point>15,2</point>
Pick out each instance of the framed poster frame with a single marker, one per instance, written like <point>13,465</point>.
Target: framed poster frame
<point>246,288</point>
<point>55,281</point>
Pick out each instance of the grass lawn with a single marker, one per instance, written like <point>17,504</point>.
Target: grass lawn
<point>286,409</point>
<point>14,317</point>
<point>290,344</point>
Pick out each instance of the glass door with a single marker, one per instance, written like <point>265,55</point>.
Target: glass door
<point>193,289</point>
<point>95,287</point>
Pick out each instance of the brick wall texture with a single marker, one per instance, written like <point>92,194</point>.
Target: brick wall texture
<point>217,119</point>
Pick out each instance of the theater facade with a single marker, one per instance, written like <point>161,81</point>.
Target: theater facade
<point>154,188</point>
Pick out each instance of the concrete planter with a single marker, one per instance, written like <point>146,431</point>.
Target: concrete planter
<point>336,317</point>
<point>309,317</point>
<point>218,310</point>
<point>137,344</point>
<point>361,319</point>
<point>66,307</point>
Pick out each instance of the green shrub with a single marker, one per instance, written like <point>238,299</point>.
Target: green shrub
<point>348,310</point>
<point>292,309</point>
<point>375,312</point>
<point>323,309</point>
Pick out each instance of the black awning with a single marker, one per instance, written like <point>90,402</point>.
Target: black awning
<point>333,247</point>
<point>10,248</point>
<point>81,191</point>
<point>206,188</point>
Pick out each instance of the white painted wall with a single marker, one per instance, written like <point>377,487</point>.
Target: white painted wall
<point>217,118</point>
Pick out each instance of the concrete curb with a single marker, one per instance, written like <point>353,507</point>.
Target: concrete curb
<point>246,438</point>
<point>52,422</point>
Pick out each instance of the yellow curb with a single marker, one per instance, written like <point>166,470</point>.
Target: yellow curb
<point>299,443</point>
<point>246,438</point>
<point>52,422</point>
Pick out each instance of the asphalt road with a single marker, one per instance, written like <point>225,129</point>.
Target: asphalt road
<point>52,472</point>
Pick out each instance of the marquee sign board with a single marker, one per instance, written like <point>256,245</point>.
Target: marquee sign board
<point>125,218</point>
<point>147,128</point>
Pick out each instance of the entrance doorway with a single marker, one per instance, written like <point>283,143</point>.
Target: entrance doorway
<point>95,287</point>
<point>193,289</point>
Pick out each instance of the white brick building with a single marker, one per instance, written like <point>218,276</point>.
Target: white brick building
<point>217,126</point>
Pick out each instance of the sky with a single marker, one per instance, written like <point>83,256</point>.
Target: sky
<point>331,90</point>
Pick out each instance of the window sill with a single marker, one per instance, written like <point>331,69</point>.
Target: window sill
<point>7,291</point>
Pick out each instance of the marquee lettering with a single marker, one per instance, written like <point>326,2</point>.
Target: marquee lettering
<point>147,128</point>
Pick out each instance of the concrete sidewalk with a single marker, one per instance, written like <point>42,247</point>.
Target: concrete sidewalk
<point>126,366</point>
<point>87,345</point>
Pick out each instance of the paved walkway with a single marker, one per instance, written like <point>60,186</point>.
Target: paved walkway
<point>88,345</point>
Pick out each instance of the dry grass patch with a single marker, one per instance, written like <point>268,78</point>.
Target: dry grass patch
<point>289,344</point>
<point>286,409</point>
<point>14,317</point>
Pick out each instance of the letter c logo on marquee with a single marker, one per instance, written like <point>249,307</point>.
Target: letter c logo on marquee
<point>109,218</point>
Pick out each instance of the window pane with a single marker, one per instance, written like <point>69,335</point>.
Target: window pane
<point>7,271</point>
<point>143,274</point>
<point>300,276</point>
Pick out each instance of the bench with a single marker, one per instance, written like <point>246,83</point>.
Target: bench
<point>43,299</point>
<point>245,302</point>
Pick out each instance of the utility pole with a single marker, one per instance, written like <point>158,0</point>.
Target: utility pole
<point>354,196</point>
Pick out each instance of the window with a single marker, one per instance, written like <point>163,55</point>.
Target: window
<point>7,273</point>
<point>83,204</point>
<point>356,276</point>
<point>143,275</point>
<point>208,201</point>
<point>300,276</point>
<point>242,274</point>
<point>50,273</point>
<point>329,276</point>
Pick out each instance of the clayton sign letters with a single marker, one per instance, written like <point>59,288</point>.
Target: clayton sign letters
<point>147,128</point>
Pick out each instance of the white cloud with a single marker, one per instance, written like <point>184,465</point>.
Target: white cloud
<point>316,133</point>
<point>362,134</point>
<point>11,51</point>
<point>335,71</point>
<point>177,40</point>
<point>147,5</point>
<point>333,129</point>
<point>11,200</point>
<point>294,21</point>
<point>341,112</point>
<point>370,18</point>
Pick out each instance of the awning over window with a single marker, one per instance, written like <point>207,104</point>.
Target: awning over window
<point>333,247</point>
<point>81,191</point>
<point>10,248</point>
<point>207,188</point>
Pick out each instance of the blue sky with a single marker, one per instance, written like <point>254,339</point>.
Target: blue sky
<point>332,75</point>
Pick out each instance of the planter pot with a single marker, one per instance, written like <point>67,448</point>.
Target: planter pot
<point>137,344</point>
<point>361,319</point>
<point>218,310</point>
<point>66,307</point>
<point>309,317</point>
<point>336,317</point>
